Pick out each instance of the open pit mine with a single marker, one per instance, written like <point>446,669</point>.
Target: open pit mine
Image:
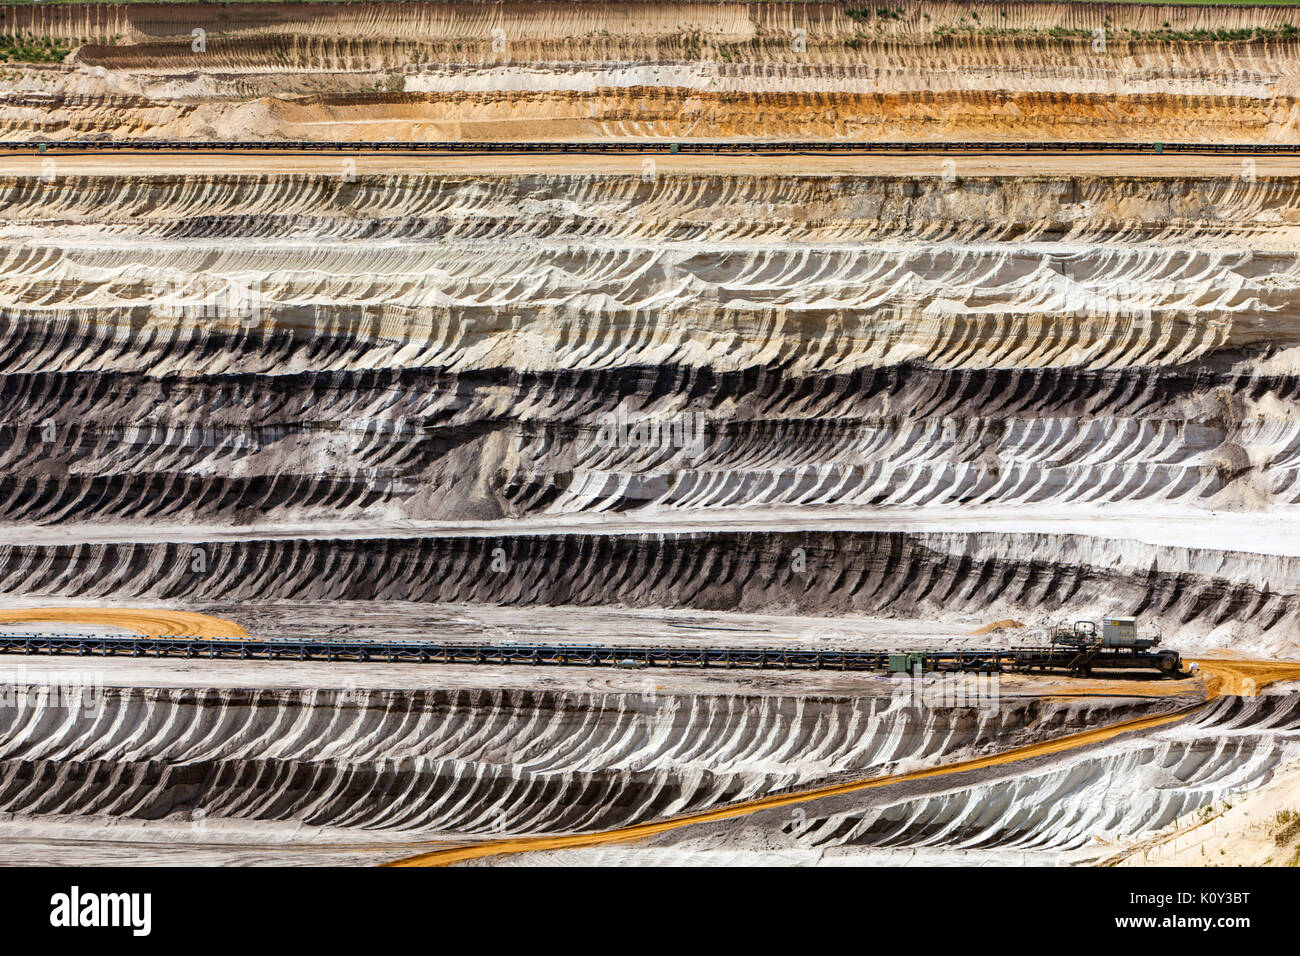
<point>649,433</point>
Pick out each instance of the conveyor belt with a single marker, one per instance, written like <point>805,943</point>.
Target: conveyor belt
<point>768,147</point>
<point>572,655</point>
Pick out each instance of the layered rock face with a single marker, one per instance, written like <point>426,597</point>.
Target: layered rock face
<point>809,572</point>
<point>486,71</point>
<point>1077,812</point>
<point>467,762</point>
<point>310,354</point>
<point>935,399</point>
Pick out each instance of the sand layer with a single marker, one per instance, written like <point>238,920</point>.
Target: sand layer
<point>587,70</point>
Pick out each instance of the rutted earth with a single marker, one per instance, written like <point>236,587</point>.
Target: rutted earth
<point>717,403</point>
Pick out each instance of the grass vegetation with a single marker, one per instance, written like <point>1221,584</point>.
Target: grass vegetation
<point>15,48</point>
<point>1285,826</point>
<point>863,14</point>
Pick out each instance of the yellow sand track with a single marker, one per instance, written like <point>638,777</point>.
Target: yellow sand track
<point>1244,677</point>
<point>148,622</point>
<point>1221,677</point>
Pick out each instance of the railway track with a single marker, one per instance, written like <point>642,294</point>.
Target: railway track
<point>565,655</point>
<point>656,146</point>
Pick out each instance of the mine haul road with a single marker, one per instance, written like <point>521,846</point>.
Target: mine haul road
<point>25,161</point>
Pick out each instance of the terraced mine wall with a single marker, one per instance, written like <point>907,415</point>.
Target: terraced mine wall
<point>712,391</point>
<point>1234,743</point>
<point>472,762</point>
<point>832,573</point>
<point>274,352</point>
<point>226,349</point>
<point>907,70</point>
<point>1077,812</point>
<point>100,447</point>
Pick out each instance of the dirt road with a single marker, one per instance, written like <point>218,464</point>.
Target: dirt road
<point>1244,677</point>
<point>359,162</point>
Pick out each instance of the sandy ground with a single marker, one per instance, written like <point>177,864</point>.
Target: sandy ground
<point>1247,829</point>
<point>483,623</point>
<point>146,621</point>
<point>1159,524</point>
<point>630,627</point>
<point>26,162</point>
<point>472,623</point>
<point>464,623</point>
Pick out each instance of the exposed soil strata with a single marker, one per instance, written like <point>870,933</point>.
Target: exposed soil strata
<point>644,70</point>
<point>687,343</point>
<point>967,283</point>
<point>469,762</point>
<point>675,114</point>
<point>736,402</point>
<point>902,574</point>
<point>1234,745</point>
<point>1074,811</point>
<point>252,448</point>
